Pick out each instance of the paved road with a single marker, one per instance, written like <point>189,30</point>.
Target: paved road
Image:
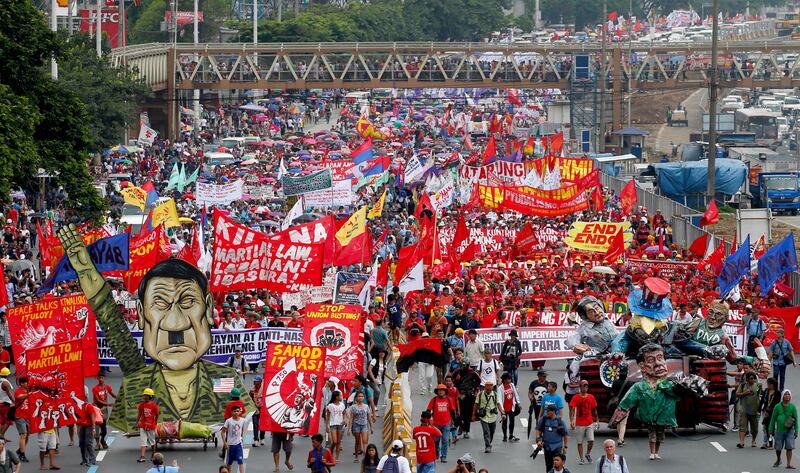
<point>706,451</point>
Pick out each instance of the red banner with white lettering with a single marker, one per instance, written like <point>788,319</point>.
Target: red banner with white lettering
<point>51,321</point>
<point>340,329</point>
<point>247,259</point>
<point>55,386</point>
<point>292,394</point>
<point>109,23</point>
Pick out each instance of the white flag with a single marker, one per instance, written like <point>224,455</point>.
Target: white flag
<point>147,135</point>
<point>533,179</point>
<point>414,169</point>
<point>734,294</point>
<point>281,170</point>
<point>295,212</point>
<point>552,179</point>
<point>413,281</point>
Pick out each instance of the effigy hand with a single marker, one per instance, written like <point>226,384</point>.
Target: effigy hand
<point>690,383</point>
<point>618,416</point>
<point>90,279</point>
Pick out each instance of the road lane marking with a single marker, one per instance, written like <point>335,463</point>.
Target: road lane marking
<point>92,469</point>
<point>246,453</point>
<point>523,421</point>
<point>100,456</point>
<point>718,447</point>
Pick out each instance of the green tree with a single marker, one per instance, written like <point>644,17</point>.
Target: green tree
<point>44,124</point>
<point>110,95</point>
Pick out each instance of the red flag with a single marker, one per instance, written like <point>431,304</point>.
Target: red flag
<point>711,216</point>
<point>513,97</point>
<point>383,273</point>
<point>617,247</point>
<point>187,255</point>
<point>782,290</point>
<point>379,242</point>
<point>461,235</point>
<point>557,144</point>
<point>44,245</point>
<point>407,258</point>
<point>715,259</point>
<point>197,252</point>
<point>490,151</point>
<point>627,197</point>
<point>469,253</point>
<point>3,290</point>
<point>424,207</point>
<point>525,241</point>
<point>638,26</point>
<point>597,199</point>
<point>612,16</point>
<point>699,245</point>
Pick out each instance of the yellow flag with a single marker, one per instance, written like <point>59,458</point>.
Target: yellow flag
<point>353,227</point>
<point>167,214</point>
<point>377,209</point>
<point>135,196</point>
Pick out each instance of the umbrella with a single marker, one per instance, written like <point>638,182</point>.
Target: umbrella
<point>656,249</point>
<point>185,220</point>
<point>249,162</point>
<point>253,107</point>
<point>19,195</point>
<point>305,218</point>
<point>310,141</point>
<point>600,269</point>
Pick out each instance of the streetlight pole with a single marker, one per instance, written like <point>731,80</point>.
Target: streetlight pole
<point>196,92</point>
<point>255,22</point>
<point>53,27</point>
<point>98,38</point>
<point>601,132</point>
<point>712,101</point>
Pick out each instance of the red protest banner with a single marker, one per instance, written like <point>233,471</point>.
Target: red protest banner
<point>530,201</point>
<point>145,252</point>
<point>292,394</point>
<point>665,269</point>
<point>572,169</point>
<point>55,386</point>
<point>52,321</point>
<point>246,259</point>
<point>319,231</point>
<point>340,329</point>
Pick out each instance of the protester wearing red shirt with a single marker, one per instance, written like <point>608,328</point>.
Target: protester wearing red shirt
<point>583,415</point>
<point>147,421</point>
<point>23,428</point>
<point>442,408</point>
<point>100,398</point>
<point>426,436</point>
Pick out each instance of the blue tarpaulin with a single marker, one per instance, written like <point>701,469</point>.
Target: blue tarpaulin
<point>679,179</point>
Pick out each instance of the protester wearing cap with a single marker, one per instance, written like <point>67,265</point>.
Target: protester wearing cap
<point>239,363</point>
<point>6,400</point>
<point>487,408</point>
<point>441,408</point>
<point>583,420</point>
<point>455,342</point>
<point>146,420</point>
<point>551,436</point>
<point>536,391</point>
<point>510,355</point>
<point>397,462</point>
<point>427,438</point>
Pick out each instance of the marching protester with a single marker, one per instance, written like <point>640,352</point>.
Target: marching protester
<point>394,461</point>
<point>369,464</point>
<point>159,467</point>
<point>335,420</point>
<point>487,409</point>
<point>783,425</point>
<point>320,459</point>
<point>9,461</point>
<point>147,421</point>
<point>20,422</point>
<point>232,436</point>
<point>100,397</point>
<point>611,462</point>
<point>551,436</point>
<point>536,391</point>
<point>359,423</point>
<point>442,409</point>
<point>749,394</point>
<point>511,406</point>
<point>427,438</point>
<point>769,399</point>
<point>583,420</point>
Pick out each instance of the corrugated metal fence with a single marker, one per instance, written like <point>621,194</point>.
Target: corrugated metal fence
<point>683,231</point>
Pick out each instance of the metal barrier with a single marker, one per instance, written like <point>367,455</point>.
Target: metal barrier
<point>397,419</point>
<point>684,232</point>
